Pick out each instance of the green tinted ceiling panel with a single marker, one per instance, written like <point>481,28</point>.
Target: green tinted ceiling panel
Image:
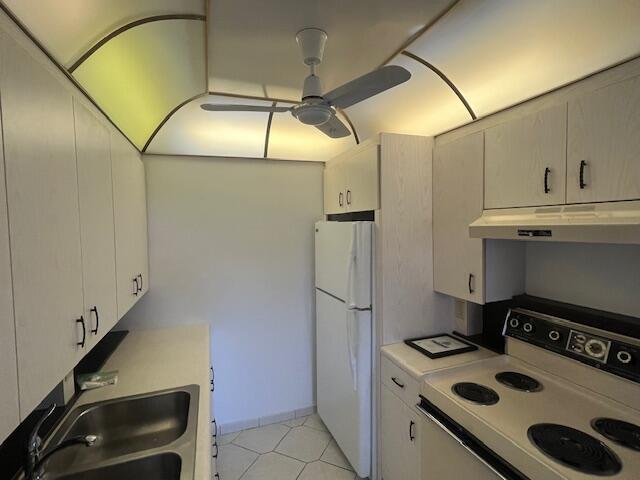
<point>138,77</point>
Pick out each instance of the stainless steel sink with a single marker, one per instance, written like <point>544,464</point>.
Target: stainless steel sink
<point>165,466</point>
<point>153,433</point>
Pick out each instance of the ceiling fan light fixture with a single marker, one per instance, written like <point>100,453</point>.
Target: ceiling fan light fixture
<point>313,114</point>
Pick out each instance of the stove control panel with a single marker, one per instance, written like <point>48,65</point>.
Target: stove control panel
<point>597,348</point>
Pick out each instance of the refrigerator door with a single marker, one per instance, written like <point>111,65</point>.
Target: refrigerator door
<point>344,378</point>
<point>343,261</point>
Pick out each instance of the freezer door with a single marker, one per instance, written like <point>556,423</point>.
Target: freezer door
<point>344,378</point>
<point>343,261</point>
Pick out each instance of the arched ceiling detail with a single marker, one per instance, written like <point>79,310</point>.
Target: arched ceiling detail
<point>467,58</point>
<point>139,76</point>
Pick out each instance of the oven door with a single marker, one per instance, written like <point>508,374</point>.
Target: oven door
<point>449,451</point>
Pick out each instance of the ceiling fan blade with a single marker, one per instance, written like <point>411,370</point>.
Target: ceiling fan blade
<point>334,128</point>
<point>367,86</point>
<point>211,107</point>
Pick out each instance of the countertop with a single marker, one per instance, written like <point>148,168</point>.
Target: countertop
<point>417,364</point>
<point>151,360</point>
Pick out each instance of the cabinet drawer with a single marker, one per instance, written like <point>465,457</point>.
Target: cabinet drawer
<point>400,382</point>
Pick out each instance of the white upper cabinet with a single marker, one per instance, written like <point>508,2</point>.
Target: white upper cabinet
<point>42,194</point>
<point>130,214</point>
<point>96,223</point>
<point>10,417</point>
<point>603,153</point>
<point>351,180</point>
<point>458,261</point>
<point>525,160</point>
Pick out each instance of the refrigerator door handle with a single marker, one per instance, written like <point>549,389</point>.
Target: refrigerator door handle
<point>352,345</point>
<point>351,274</point>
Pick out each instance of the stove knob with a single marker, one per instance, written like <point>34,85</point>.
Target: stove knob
<point>514,322</point>
<point>528,327</point>
<point>624,357</point>
<point>554,335</point>
<point>595,348</point>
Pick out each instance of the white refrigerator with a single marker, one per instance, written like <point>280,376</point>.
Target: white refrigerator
<point>343,265</point>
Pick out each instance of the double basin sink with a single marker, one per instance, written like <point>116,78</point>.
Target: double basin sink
<point>150,436</point>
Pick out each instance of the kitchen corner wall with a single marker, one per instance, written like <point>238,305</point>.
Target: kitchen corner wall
<point>606,277</point>
<point>231,244</point>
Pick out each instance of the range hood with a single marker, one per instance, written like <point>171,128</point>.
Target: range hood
<point>610,222</point>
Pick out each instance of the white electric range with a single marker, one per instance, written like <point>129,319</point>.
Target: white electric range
<point>562,404</point>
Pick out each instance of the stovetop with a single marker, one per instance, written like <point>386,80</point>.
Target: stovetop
<point>544,425</point>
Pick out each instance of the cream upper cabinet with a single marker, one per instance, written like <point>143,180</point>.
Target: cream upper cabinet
<point>362,179</point>
<point>399,439</point>
<point>525,160</point>
<point>44,224</point>
<point>335,183</point>
<point>130,214</point>
<point>351,180</point>
<point>96,223</point>
<point>603,151</point>
<point>10,417</point>
<point>458,261</point>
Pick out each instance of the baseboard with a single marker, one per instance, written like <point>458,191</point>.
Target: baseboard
<point>232,427</point>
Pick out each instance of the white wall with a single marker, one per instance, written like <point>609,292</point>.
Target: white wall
<point>231,244</point>
<point>606,277</point>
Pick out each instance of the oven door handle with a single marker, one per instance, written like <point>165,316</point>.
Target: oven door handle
<point>455,437</point>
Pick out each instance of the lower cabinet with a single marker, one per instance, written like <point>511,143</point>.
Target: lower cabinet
<point>400,438</point>
<point>130,214</point>
<point>10,416</point>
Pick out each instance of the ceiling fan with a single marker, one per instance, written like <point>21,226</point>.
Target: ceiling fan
<point>320,110</point>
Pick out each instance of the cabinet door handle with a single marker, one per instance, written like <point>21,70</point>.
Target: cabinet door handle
<point>136,286</point>
<point>141,284</point>
<point>471,281</point>
<point>213,378</point>
<point>547,171</point>
<point>84,331</point>
<point>341,199</point>
<point>395,380</point>
<point>95,311</point>
<point>412,435</point>
<point>583,164</point>
<point>215,429</point>
<point>215,455</point>
<point>348,197</point>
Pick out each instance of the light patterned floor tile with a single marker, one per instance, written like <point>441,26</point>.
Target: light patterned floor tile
<point>262,439</point>
<point>334,456</point>
<point>304,443</point>
<point>324,471</point>
<point>233,461</point>
<point>314,421</point>
<point>295,422</point>
<point>273,466</point>
<point>227,438</point>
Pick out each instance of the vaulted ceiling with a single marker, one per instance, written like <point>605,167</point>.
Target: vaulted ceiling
<point>149,64</point>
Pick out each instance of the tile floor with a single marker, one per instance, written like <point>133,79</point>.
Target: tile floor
<point>297,449</point>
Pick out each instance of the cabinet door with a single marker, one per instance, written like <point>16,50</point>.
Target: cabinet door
<point>525,160</point>
<point>363,185</point>
<point>603,133</point>
<point>334,187</point>
<point>44,225</point>
<point>458,261</point>
<point>96,223</point>
<point>10,417</point>
<point>128,193</point>
<point>399,439</point>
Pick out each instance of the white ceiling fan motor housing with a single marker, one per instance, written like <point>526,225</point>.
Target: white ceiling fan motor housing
<point>314,112</point>
<point>312,41</point>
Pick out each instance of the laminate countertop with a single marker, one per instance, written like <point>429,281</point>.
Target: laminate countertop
<point>151,360</point>
<point>418,364</point>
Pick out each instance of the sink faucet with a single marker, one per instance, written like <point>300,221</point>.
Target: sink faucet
<point>36,458</point>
